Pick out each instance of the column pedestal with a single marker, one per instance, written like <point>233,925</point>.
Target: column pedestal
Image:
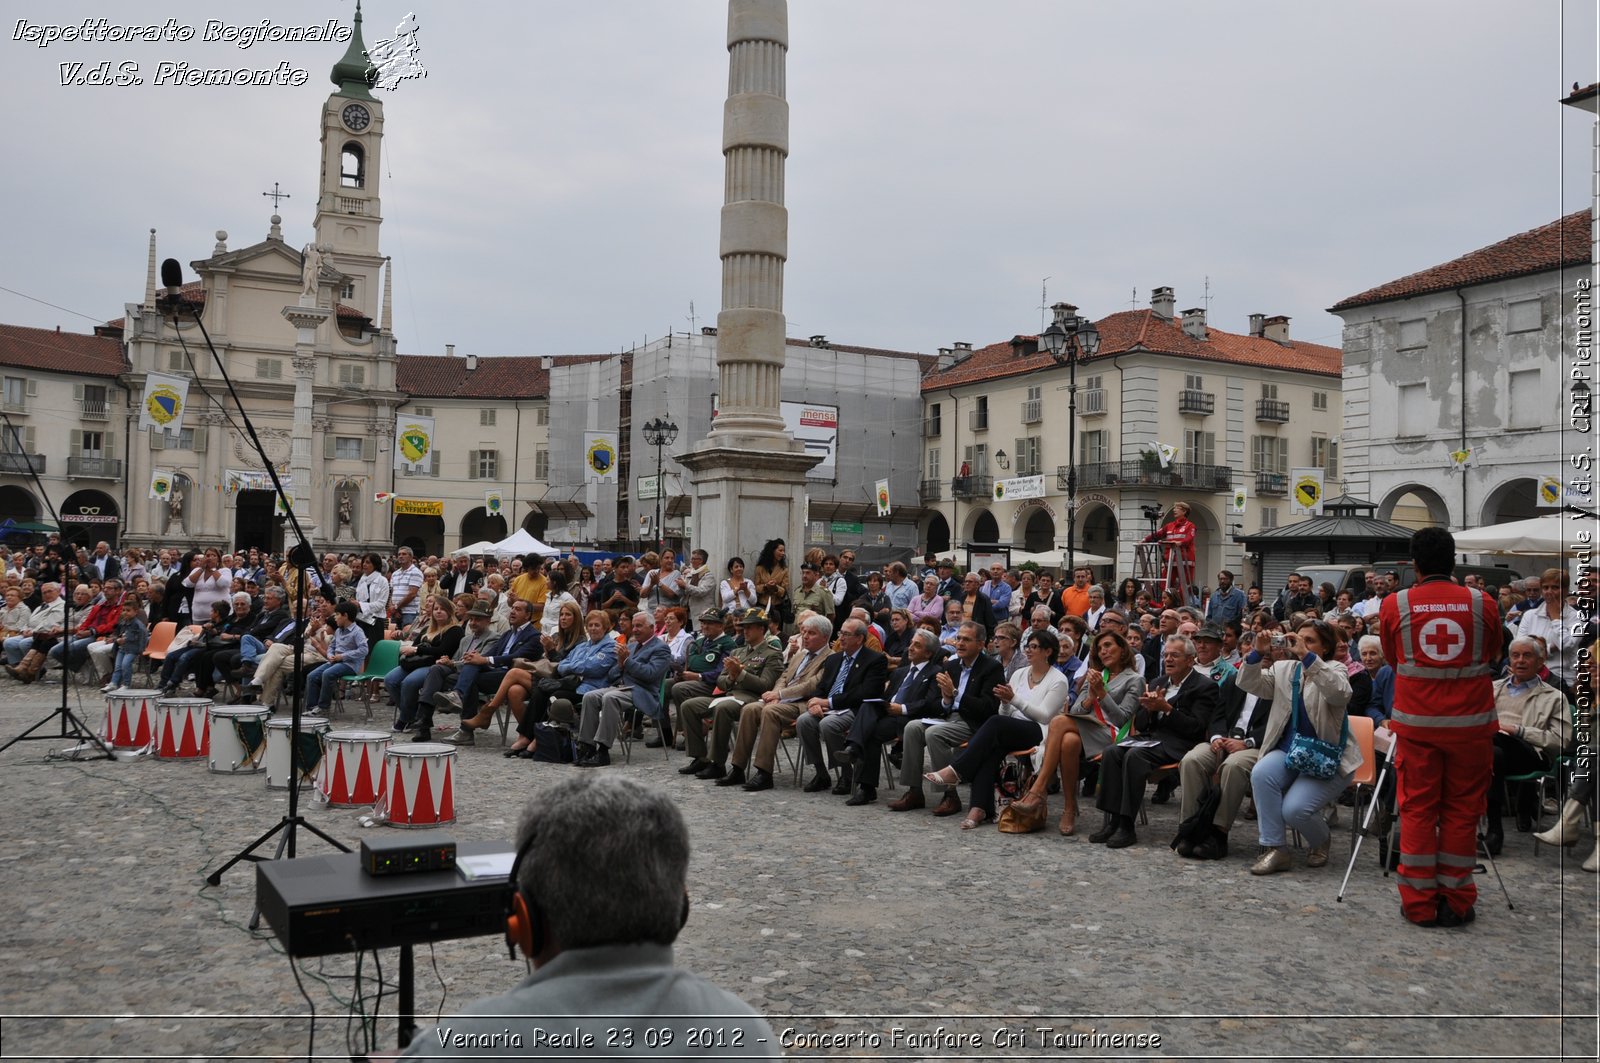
<point>743,498</point>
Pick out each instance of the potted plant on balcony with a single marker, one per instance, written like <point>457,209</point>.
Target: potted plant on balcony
<point>1149,463</point>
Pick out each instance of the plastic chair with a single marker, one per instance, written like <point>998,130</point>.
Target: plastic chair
<point>383,659</point>
<point>155,650</point>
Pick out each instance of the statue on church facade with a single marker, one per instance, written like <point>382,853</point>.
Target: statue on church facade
<point>175,507</point>
<point>311,269</point>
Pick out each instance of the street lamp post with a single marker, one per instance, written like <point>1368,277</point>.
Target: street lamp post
<point>659,432</point>
<point>1069,338</point>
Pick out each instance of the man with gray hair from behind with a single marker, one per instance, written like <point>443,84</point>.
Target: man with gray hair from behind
<point>600,895</point>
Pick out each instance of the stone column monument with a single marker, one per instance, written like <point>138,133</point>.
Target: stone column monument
<point>749,473</point>
<point>306,319</point>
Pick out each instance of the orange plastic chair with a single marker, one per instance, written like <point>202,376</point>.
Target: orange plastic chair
<point>161,637</point>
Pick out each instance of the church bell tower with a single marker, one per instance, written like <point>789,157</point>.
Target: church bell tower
<point>349,211</point>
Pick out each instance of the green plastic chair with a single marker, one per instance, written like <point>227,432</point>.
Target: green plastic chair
<point>383,659</point>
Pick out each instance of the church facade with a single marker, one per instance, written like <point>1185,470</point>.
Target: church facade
<point>307,340</point>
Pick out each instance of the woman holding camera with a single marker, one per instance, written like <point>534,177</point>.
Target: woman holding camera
<point>1309,693</point>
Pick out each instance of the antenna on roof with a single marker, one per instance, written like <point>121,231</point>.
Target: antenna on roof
<point>1206,298</point>
<point>692,318</point>
<point>1133,298</point>
<point>1044,303</point>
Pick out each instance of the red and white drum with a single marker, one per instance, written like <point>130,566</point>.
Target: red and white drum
<point>238,739</point>
<point>312,728</point>
<point>130,718</point>
<point>421,785</point>
<point>351,771</point>
<point>183,728</point>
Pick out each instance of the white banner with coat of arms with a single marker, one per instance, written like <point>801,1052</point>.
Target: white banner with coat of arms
<point>413,443</point>
<point>600,456</point>
<point>163,402</point>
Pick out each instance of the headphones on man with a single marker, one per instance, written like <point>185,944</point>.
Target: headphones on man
<point>525,920</point>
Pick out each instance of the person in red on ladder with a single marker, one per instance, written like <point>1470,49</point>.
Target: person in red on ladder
<point>1178,533</point>
<point>1441,638</point>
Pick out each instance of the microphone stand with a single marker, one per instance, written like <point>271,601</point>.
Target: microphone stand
<point>71,725</point>
<point>301,556</point>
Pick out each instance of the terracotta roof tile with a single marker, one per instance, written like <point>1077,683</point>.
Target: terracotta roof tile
<point>60,352</point>
<point>441,376</point>
<point>1142,330</point>
<point>1564,242</point>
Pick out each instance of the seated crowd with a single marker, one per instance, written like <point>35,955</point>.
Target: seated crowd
<point>997,681</point>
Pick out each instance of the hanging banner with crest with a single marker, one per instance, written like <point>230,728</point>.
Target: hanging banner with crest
<point>163,402</point>
<point>413,443</point>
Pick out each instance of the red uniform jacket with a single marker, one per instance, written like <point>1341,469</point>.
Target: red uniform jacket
<point>1441,638</point>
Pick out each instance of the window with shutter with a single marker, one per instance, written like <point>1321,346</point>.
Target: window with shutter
<point>472,464</point>
<point>158,439</point>
<point>198,439</point>
<point>541,463</point>
<point>369,448</point>
<point>176,362</point>
<point>486,418</point>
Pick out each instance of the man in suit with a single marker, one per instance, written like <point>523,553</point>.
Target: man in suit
<point>104,563</point>
<point>644,663</point>
<point>480,673</point>
<point>965,684</point>
<point>1230,750</point>
<point>910,694</point>
<point>748,672</point>
<point>1172,716</point>
<point>762,721</point>
<point>851,676</point>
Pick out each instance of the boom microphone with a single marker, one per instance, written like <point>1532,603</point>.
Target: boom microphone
<point>171,277</point>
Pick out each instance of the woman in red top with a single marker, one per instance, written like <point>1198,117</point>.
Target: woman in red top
<point>1179,532</point>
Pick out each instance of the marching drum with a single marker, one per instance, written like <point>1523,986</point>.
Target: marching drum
<point>312,728</point>
<point>351,770</point>
<point>183,728</point>
<point>238,739</point>
<point>421,785</point>
<point>130,718</point>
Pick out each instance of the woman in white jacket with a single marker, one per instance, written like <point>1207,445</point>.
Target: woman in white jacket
<point>1287,799</point>
<point>1031,698</point>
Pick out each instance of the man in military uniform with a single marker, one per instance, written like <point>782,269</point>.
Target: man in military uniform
<point>701,667</point>
<point>748,671</point>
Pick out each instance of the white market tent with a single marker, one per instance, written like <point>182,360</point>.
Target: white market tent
<point>1058,558</point>
<point>1545,536</point>
<point>484,546</point>
<point>519,543</point>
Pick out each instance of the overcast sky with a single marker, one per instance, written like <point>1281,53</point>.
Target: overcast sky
<point>553,185</point>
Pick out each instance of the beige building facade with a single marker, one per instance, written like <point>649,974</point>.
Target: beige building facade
<point>1239,409</point>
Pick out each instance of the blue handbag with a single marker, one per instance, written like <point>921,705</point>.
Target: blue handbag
<point>1308,754</point>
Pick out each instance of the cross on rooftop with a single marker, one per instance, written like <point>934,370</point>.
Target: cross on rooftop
<point>276,195</point>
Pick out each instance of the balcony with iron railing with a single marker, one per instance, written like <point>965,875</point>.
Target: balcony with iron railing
<point>1180,474</point>
<point>16,461</point>
<point>932,427</point>
<point>967,487</point>
<point>932,491</point>
<point>1272,483</point>
<point>978,420</point>
<point>1272,410</point>
<point>94,468</point>
<point>1032,411</point>
<point>95,409</point>
<point>17,405</point>
<point>1199,403</point>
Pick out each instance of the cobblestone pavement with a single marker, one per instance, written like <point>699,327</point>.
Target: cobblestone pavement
<point>833,920</point>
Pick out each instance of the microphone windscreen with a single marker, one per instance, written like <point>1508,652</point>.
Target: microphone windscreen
<point>171,274</point>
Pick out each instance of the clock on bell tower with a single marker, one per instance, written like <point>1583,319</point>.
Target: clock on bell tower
<point>349,211</point>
